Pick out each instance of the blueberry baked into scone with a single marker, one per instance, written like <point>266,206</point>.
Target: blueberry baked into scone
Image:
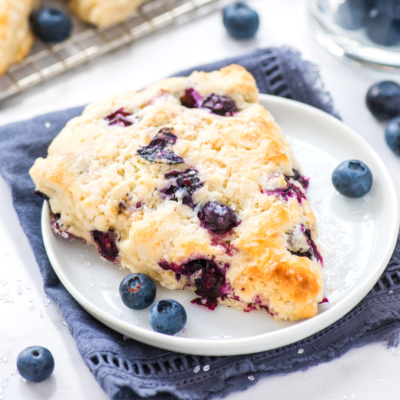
<point>16,38</point>
<point>104,12</point>
<point>192,182</point>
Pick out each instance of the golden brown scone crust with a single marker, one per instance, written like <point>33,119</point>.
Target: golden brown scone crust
<point>16,38</point>
<point>91,167</point>
<point>104,12</point>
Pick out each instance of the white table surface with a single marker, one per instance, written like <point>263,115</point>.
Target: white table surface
<point>370,372</point>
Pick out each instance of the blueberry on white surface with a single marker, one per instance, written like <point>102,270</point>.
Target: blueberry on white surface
<point>51,24</point>
<point>392,135</point>
<point>167,316</point>
<point>137,291</point>
<point>240,20</point>
<point>352,14</point>
<point>352,178</point>
<point>35,364</point>
<point>383,100</point>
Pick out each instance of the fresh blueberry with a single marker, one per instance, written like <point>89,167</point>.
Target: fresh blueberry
<point>352,178</point>
<point>351,14</point>
<point>383,100</point>
<point>217,217</point>
<point>137,291</point>
<point>51,25</point>
<point>35,364</point>
<point>167,316</point>
<point>392,135</point>
<point>381,29</point>
<point>241,21</point>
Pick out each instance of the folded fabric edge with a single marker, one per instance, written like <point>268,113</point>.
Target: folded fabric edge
<point>223,379</point>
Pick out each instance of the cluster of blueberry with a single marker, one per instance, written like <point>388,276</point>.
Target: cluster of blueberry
<point>353,178</point>
<point>380,18</point>
<point>383,100</point>
<point>138,291</point>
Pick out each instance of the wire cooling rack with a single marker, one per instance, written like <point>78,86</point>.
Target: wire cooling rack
<point>86,42</point>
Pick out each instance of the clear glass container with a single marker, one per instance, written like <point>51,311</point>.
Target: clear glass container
<point>365,32</point>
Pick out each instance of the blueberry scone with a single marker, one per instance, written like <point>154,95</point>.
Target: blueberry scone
<point>192,182</point>
<point>104,12</point>
<point>15,36</point>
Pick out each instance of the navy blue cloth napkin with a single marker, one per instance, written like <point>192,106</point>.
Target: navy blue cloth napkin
<point>127,369</point>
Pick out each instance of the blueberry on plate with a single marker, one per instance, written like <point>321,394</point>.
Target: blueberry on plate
<point>35,364</point>
<point>352,14</point>
<point>167,316</point>
<point>241,21</point>
<point>352,178</point>
<point>137,291</point>
<point>383,100</point>
<point>392,135</point>
<point>51,25</point>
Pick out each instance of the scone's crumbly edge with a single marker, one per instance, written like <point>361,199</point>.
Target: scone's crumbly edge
<point>16,38</point>
<point>211,203</point>
<point>104,12</point>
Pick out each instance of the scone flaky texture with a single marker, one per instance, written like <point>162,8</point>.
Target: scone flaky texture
<point>159,205</point>
<point>15,36</point>
<point>104,12</point>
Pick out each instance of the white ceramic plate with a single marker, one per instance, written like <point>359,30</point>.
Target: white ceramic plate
<point>358,237</point>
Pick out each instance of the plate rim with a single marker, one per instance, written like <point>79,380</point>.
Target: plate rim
<point>260,342</point>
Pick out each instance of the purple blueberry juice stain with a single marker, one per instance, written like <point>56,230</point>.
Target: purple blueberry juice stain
<point>118,118</point>
<point>217,104</point>
<point>158,151</point>
<point>217,218</point>
<point>313,246</point>
<point>258,304</point>
<point>313,249</point>
<point>324,300</point>
<point>186,182</point>
<point>106,244</point>
<point>54,224</point>
<point>290,190</point>
<point>54,221</point>
<point>304,181</point>
<point>209,278</point>
<point>40,194</point>
<point>217,240</point>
